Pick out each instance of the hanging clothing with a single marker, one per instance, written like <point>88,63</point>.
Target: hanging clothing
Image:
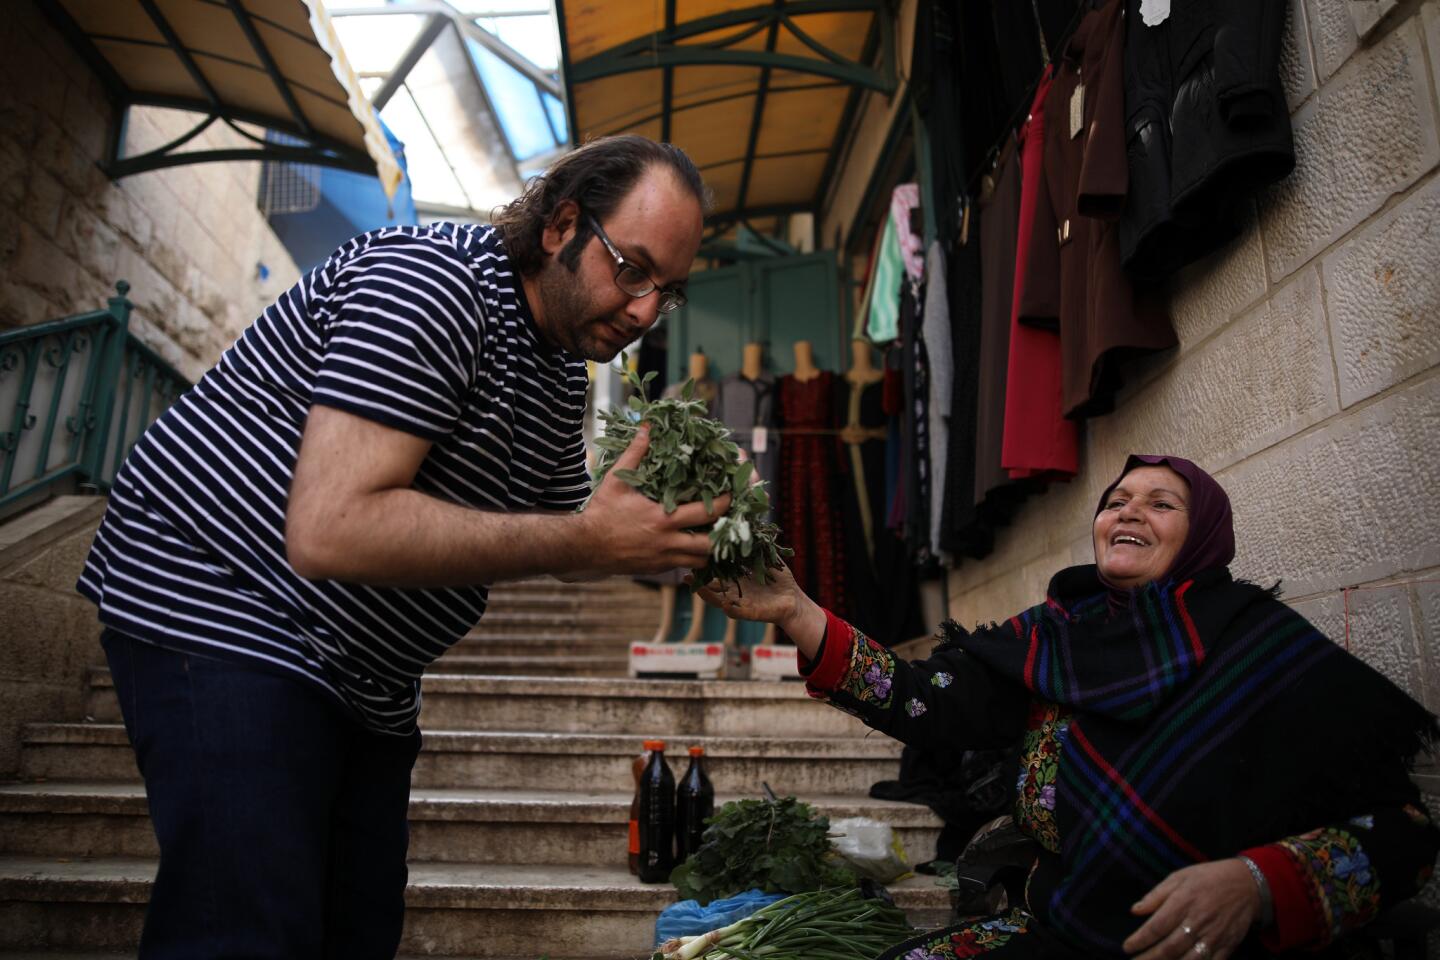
<point>882,298</point>
<point>939,351</point>
<point>904,210</point>
<point>936,92</point>
<point>870,549</point>
<point>1073,267</point>
<point>895,605</point>
<point>1038,441</point>
<point>999,228</point>
<point>1207,125</point>
<point>742,405</point>
<point>961,529</point>
<point>914,424</point>
<point>809,522</point>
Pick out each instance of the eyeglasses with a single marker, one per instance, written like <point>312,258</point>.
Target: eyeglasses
<point>633,280</point>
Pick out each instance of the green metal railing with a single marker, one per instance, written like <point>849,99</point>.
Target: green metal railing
<point>75,395</point>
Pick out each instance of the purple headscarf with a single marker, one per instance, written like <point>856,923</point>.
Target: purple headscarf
<point>1211,539</point>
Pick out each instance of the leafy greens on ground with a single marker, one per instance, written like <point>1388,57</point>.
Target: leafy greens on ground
<point>777,846</point>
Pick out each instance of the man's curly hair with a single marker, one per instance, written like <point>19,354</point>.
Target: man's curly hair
<point>597,177</point>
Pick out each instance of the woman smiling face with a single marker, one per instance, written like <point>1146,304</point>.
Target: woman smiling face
<point>1141,526</point>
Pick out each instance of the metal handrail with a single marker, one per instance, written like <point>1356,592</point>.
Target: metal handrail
<point>59,428</point>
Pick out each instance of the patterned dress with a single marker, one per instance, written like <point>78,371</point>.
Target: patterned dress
<point>1326,882</point>
<point>809,505</point>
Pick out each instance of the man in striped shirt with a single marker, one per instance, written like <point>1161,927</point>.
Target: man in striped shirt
<point>297,538</point>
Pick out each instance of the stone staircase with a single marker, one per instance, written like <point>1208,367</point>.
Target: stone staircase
<point>519,801</point>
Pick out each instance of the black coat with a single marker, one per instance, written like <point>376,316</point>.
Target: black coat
<point>1207,125</point>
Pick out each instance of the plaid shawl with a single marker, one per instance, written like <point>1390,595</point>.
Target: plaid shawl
<point>1208,718</point>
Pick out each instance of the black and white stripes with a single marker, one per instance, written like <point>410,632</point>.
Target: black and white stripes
<point>423,329</point>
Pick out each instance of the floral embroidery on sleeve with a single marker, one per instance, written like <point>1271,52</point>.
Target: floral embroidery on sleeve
<point>871,672</point>
<point>915,707</point>
<point>1340,884</point>
<point>971,940</point>
<point>942,679</point>
<point>1039,763</point>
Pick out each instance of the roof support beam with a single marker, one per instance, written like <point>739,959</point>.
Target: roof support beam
<point>504,51</point>
<point>177,47</point>
<point>247,26</point>
<point>667,87</point>
<point>407,61</point>
<point>465,23</point>
<point>662,49</point>
<point>595,67</point>
<point>757,116</point>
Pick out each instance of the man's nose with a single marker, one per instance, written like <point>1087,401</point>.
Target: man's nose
<point>644,311</point>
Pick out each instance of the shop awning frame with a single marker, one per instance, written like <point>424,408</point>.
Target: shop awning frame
<point>663,49</point>
<point>316,148</point>
<point>773,39</point>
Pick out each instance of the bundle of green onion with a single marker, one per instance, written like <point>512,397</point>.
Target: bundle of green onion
<point>819,925</point>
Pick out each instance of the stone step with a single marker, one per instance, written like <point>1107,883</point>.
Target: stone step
<point>538,666</point>
<point>551,641</point>
<point>571,761</point>
<point>452,909</point>
<point>719,708</point>
<point>607,587</point>
<point>83,820</point>
<point>506,628</point>
<point>569,694</point>
<point>628,621</point>
<point>559,601</point>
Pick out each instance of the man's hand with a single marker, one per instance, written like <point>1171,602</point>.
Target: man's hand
<point>1218,902</point>
<point>627,532</point>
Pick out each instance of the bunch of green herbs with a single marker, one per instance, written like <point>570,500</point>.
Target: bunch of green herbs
<point>691,457</point>
<point>823,925</point>
<point>779,846</point>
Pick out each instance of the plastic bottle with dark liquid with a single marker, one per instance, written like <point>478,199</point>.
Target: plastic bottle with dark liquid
<point>694,804</point>
<point>637,767</point>
<point>657,817</point>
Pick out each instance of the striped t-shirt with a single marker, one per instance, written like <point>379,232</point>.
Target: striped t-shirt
<point>424,329</point>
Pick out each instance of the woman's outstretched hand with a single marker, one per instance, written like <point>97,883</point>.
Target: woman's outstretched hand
<point>1200,913</point>
<point>779,601</point>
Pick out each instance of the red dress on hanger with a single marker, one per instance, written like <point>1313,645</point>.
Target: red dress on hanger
<point>1038,440</point>
<point>809,506</point>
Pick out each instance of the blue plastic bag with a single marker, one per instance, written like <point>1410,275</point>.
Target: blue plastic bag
<point>688,919</point>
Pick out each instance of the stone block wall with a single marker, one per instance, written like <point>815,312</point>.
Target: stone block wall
<point>1308,372</point>
<point>190,240</point>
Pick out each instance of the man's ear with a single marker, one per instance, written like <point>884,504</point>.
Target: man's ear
<point>562,226</point>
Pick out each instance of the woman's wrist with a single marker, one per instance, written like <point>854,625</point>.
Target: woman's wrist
<point>1266,914</point>
<point>805,625</point>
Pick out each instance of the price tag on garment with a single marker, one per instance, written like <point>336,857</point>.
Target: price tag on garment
<point>1077,111</point>
<point>759,440</point>
<point>1154,12</point>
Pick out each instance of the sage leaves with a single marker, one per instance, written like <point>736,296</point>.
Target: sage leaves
<point>691,457</point>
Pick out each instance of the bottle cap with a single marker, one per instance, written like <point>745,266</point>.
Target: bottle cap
<point>654,744</point>
<point>697,751</point>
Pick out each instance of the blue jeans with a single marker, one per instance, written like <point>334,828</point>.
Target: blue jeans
<point>282,822</point>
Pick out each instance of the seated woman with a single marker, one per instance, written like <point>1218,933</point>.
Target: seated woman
<point>1205,773</point>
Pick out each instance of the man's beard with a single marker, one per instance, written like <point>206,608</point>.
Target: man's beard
<point>570,315</point>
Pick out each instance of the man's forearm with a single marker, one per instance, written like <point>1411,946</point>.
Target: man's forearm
<point>403,538</point>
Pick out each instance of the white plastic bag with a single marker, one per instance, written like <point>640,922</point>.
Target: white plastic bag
<point>870,847</point>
